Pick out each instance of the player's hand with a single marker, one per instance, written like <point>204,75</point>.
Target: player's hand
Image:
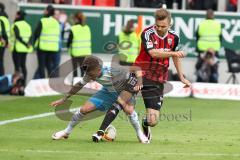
<point>186,82</point>
<point>57,103</point>
<point>179,54</point>
<point>138,87</point>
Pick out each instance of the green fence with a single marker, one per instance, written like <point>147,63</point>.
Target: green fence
<point>106,23</point>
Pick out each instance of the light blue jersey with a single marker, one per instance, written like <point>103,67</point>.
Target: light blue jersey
<point>113,81</point>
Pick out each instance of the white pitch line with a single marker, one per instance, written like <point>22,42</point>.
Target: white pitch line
<point>130,153</point>
<point>30,117</point>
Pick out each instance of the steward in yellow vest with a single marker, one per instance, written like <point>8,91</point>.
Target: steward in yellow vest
<point>4,35</point>
<point>129,44</point>
<point>6,27</point>
<point>79,42</point>
<point>46,41</point>
<point>209,34</point>
<point>21,33</point>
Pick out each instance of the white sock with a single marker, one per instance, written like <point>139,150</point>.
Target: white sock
<point>133,118</point>
<point>76,118</point>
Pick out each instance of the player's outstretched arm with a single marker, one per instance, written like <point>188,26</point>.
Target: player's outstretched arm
<point>177,64</point>
<point>75,88</point>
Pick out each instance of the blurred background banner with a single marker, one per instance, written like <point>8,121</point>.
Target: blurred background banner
<point>107,23</point>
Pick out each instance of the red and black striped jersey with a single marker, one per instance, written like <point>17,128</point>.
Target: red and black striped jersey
<point>153,68</point>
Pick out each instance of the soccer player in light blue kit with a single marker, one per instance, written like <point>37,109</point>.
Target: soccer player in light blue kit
<point>119,85</point>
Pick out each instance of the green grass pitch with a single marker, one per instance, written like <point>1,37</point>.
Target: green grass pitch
<point>191,129</point>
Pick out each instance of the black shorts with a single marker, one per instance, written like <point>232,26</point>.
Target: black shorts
<point>152,93</point>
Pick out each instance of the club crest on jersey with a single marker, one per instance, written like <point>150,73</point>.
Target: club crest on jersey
<point>169,41</point>
<point>149,44</point>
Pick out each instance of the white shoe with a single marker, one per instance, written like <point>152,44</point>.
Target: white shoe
<point>147,132</point>
<point>60,135</point>
<point>96,138</point>
<point>142,138</point>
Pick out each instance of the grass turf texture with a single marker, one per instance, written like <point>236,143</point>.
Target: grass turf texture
<point>191,129</point>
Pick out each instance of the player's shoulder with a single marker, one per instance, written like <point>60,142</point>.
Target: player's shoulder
<point>172,32</point>
<point>147,32</point>
<point>149,28</point>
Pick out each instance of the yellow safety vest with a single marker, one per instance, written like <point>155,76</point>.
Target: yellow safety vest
<point>50,35</point>
<point>209,35</point>
<point>25,32</point>
<point>81,43</point>
<point>128,47</point>
<point>7,27</point>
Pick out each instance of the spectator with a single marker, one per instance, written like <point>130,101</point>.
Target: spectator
<point>12,84</point>
<point>202,4</point>
<point>232,5</point>
<point>4,35</point>
<point>46,40</point>
<point>79,42</point>
<point>106,3</point>
<point>209,35</point>
<point>170,4</point>
<point>149,3</point>
<point>62,18</point>
<point>21,37</point>
<point>129,44</point>
<point>58,2</point>
<point>207,67</point>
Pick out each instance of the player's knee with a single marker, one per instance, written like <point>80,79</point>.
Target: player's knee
<point>83,110</point>
<point>152,123</point>
<point>152,120</point>
<point>128,109</point>
<point>121,102</point>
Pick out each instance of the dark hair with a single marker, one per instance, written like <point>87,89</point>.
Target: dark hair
<point>210,14</point>
<point>2,7</point>
<point>90,63</point>
<point>80,17</point>
<point>2,10</point>
<point>18,86</point>
<point>162,14</point>
<point>21,14</point>
<point>50,9</point>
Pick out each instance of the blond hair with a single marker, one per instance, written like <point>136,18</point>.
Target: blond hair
<point>162,14</point>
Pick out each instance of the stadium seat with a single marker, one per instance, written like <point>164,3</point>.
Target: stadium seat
<point>83,2</point>
<point>107,3</point>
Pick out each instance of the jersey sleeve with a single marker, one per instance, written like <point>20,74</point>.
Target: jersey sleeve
<point>176,43</point>
<point>146,41</point>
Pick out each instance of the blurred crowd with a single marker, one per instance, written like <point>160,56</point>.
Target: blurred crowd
<point>46,39</point>
<point>231,5</point>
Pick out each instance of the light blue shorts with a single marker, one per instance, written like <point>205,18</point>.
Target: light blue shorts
<point>104,99</point>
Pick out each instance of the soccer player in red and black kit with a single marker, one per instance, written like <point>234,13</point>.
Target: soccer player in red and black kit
<point>159,43</point>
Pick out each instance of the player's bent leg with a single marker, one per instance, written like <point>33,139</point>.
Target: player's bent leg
<point>150,121</point>
<point>133,118</point>
<point>109,117</point>
<point>88,107</point>
<point>112,113</point>
<point>152,117</point>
